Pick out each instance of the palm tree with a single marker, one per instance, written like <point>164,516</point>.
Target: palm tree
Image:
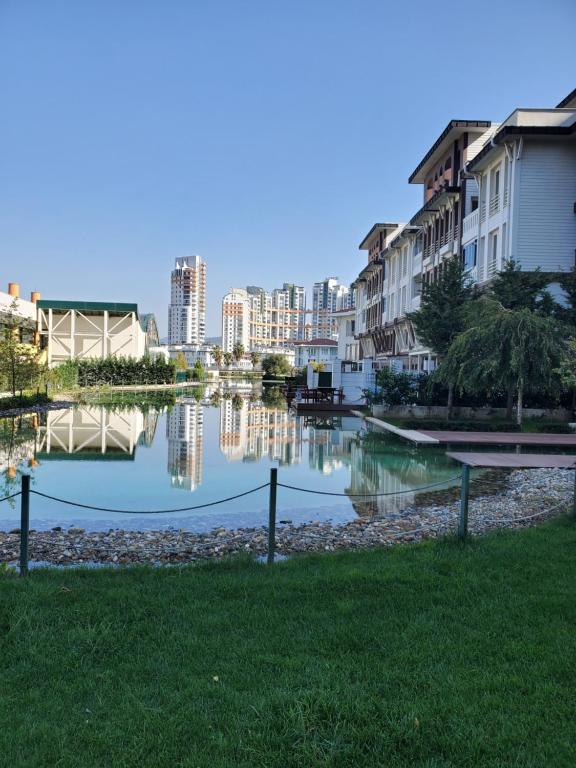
<point>254,358</point>
<point>228,358</point>
<point>238,352</point>
<point>217,355</point>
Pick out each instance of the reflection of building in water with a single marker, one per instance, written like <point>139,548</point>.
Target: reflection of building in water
<point>254,431</point>
<point>329,443</point>
<point>184,430</point>
<point>91,432</point>
<point>388,469</point>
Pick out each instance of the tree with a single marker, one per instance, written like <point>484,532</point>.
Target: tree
<point>255,358</point>
<point>567,367</point>
<point>515,289</point>
<point>181,363</point>
<point>442,313</point>
<point>19,368</point>
<point>217,355</point>
<point>198,373</point>
<point>276,366</point>
<point>567,312</point>
<point>504,349</point>
<point>238,352</point>
<point>396,387</point>
<point>228,358</point>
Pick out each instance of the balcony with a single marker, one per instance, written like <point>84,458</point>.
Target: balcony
<point>483,211</point>
<point>417,264</point>
<point>494,205</point>
<point>470,223</point>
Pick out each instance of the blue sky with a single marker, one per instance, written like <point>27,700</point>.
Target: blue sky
<point>266,136</point>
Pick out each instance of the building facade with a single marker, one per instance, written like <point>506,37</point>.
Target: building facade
<point>187,310</point>
<point>328,296</point>
<point>89,329</point>
<point>24,312</point>
<point>491,193</point>
<point>315,351</point>
<point>261,320</point>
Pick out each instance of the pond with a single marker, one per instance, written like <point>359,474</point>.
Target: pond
<point>201,450</point>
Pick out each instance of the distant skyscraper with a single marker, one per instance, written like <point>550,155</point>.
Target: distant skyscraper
<point>187,311</point>
<point>328,296</point>
<point>235,319</point>
<point>259,319</point>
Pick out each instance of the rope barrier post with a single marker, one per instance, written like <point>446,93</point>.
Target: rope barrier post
<point>24,524</point>
<point>272,516</point>
<point>464,495</point>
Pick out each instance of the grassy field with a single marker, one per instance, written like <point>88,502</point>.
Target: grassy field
<point>430,655</point>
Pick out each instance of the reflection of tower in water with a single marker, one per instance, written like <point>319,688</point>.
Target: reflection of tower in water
<point>329,443</point>
<point>184,430</point>
<point>254,431</point>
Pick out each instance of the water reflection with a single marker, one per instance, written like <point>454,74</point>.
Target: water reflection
<point>214,447</point>
<point>94,432</point>
<point>185,434</point>
<point>252,431</point>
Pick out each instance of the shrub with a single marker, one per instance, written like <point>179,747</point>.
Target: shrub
<point>112,371</point>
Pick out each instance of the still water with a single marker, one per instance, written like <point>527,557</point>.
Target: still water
<point>195,452</point>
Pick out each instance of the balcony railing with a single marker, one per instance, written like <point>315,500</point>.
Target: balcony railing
<point>470,223</point>
<point>494,205</point>
<point>505,198</point>
<point>482,211</point>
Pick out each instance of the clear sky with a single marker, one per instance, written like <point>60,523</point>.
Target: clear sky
<point>267,136</point>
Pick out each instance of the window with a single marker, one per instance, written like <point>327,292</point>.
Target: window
<point>470,255</point>
<point>473,203</point>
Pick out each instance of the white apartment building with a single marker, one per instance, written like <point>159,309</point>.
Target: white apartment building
<point>236,319</point>
<point>526,181</point>
<point>491,192</point>
<point>328,296</point>
<point>187,310</point>
<point>315,351</point>
<point>262,320</point>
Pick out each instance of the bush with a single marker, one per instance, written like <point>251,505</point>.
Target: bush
<point>113,371</point>
<point>197,373</point>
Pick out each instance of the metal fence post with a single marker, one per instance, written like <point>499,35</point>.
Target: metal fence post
<point>24,524</point>
<point>464,494</point>
<point>272,516</point>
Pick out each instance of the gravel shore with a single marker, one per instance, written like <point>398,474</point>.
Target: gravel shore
<point>532,494</point>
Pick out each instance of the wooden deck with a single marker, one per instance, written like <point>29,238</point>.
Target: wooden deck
<point>502,438</point>
<point>320,407</point>
<point>515,460</point>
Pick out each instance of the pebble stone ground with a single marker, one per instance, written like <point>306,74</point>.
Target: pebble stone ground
<point>514,499</point>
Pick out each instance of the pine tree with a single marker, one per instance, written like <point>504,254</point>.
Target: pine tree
<point>442,313</point>
<point>515,289</point>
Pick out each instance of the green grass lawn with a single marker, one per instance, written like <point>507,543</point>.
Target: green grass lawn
<point>428,655</point>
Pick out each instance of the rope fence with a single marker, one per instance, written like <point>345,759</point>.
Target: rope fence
<point>26,492</point>
<point>12,496</point>
<point>150,511</point>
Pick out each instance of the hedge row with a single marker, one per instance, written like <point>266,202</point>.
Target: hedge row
<point>113,371</point>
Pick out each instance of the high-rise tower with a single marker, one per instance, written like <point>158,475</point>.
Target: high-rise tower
<point>187,311</point>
